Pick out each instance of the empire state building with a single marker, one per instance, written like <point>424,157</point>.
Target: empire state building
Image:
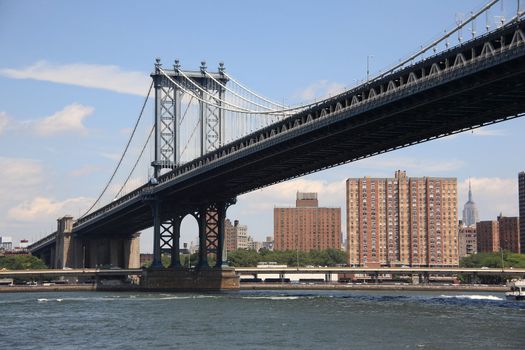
<point>470,212</point>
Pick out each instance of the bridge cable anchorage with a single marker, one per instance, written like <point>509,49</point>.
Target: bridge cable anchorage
<point>123,153</point>
<point>136,162</point>
<point>235,108</point>
<point>424,49</point>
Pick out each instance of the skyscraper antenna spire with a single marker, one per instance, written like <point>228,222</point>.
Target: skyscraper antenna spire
<point>469,190</point>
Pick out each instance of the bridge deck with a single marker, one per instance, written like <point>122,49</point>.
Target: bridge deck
<point>433,98</point>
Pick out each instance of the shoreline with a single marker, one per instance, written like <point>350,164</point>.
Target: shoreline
<point>265,286</point>
<point>387,287</point>
<point>69,288</point>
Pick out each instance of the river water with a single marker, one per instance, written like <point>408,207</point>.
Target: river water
<point>261,320</point>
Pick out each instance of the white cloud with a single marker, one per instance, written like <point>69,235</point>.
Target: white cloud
<point>488,132</point>
<point>4,121</point>
<point>319,89</point>
<point>492,195</point>
<point>108,77</point>
<point>132,184</point>
<point>45,209</point>
<point>111,156</point>
<point>410,164</point>
<point>69,119</point>
<point>330,194</point>
<point>85,170</point>
<point>18,175</point>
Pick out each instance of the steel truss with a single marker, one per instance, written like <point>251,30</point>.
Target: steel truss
<point>168,97</point>
<point>210,218</point>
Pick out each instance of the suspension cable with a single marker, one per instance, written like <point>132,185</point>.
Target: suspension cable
<point>236,109</point>
<point>123,153</point>
<point>253,93</point>
<point>137,162</point>
<point>191,93</point>
<point>189,139</point>
<point>186,111</point>
<point>236,94</point>
<point>208,93</point>
<point>435,42</point>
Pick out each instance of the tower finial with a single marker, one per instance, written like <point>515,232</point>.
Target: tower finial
<point>469,190</point>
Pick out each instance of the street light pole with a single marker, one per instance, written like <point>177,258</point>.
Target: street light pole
<point>502,262</point>
<point>368,57</point>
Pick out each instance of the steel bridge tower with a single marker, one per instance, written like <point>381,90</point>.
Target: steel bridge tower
<point>170,88</point>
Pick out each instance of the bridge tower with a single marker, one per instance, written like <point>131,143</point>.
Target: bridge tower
<point>170,87</point>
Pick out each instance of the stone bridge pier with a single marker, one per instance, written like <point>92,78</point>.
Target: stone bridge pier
<point>109,250</point>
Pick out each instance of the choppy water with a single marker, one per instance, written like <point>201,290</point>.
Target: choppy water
<point>261,320</point>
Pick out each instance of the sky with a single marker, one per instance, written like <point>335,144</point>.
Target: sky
<point>74,75</point>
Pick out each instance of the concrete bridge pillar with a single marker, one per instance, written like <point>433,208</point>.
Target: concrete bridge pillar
<point>116,251</point>
<point>63,242</point>
<point>132,251</point>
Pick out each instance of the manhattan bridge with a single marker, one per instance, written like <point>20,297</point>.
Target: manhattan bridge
<point>213,138</point>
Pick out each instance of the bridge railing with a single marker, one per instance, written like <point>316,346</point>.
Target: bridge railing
<point>458,60</point>
<point>42,242</point>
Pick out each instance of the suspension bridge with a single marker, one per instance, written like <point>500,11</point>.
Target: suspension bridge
<point>214,138</point>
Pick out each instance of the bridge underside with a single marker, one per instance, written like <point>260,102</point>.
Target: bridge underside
<point>490,95</point>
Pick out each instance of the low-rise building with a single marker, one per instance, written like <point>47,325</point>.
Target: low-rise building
<point>6,243</point>
<point>487,236</point>
<point>467,241</point>
<point>307,226</point>
<point>236,235</point>
<point>502,233</point>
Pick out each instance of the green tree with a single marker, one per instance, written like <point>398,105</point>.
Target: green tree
<point>21,262</point>
<point>494,260</point>
<point>250,258</point>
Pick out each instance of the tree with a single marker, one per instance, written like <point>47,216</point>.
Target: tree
<point>249,258</point>
<point>493,260</point>
<point>21,262</point>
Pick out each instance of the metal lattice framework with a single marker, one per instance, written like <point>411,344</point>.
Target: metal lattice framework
<point>173,87</point>
<point>407,104</point>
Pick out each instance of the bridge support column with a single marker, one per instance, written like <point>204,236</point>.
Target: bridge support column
<point>155,207</point>
<point>211,219</point>
<point>175,242</point>
<point>220,256</point>
<point>203,255</point>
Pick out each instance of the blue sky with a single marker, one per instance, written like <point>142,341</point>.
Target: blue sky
<point>73,75</point>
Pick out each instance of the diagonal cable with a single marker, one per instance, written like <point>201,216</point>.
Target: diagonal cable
<point>137,162</point>
<point>123,153</point>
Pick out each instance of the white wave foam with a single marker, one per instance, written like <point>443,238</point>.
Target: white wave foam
<point>42,300</point>
<point>472,297</point>
<point>169,298</point>
<point>275,298</point>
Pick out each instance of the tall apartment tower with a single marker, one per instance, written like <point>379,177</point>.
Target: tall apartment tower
<point>521,185</point>
<point>402,221</point>
<point>470,211</point>
<point>307,226</point>
<point>468,242</point>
